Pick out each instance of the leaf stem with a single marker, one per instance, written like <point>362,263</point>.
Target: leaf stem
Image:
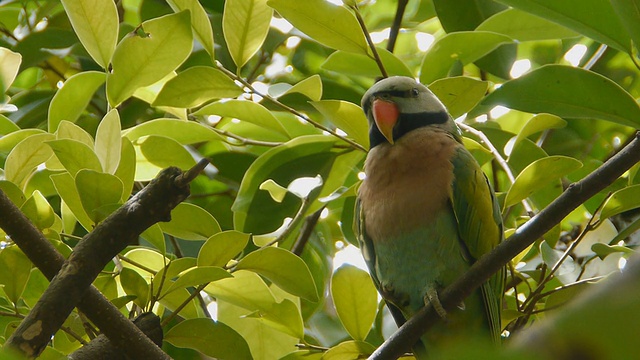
<point>372,46</point>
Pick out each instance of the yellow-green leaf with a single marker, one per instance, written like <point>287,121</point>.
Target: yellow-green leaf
<point>222,247</point>
<point>9,66</point>
<point>195,86</point>
<point>190,222</point>
<point>355,299</point>
<point>25,156</point>
<point>346,116</point>
<point>199,21</point>
<point>245,24</point>
<point>109,141</point>
<point>209,337</point>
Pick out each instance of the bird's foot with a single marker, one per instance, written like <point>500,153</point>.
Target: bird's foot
<point>432,298</point>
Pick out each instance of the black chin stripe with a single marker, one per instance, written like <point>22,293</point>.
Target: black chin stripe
<point>409,122</point>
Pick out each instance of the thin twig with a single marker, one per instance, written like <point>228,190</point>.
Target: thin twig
<point>397,23</point>
<point>137,264</point>
<point>183,305</point>
<point>288,108</point>
<point>306,231</point>
<point>243,140</point>
<point>367,36</point>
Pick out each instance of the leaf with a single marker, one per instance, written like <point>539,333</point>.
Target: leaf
<point>134,284</point>
<point>155,237</point>
<point>141,61</point>
<point>222,247</point>
<point>38,210</point>
<point>304,156</point>
<point>96,24</point>
<point>567,92</point>
<point>246,111</point>
<point>284,316</point>
<point>276,191</point>
<point>537,175</point>
<point>349,350</point>
<point>464,46</point>
<point>621,201</point>
<point>310,87</point>
<point>184,132</point>
<point>190,222</point>
<point>459,94</point>
<point>284,268</point>
<point>245,289</point>
<point>602,250</point>
<point>199,22</point>
<point>7,126</point>
<point>75,155</point>
<point>25,156</point>
<point>65,186</point>
<point>164,152</point>
<point>363,65</point>
<point>347,117</point>
<point>109,141</point>
<point>97,190</point>
<point>245,24</point>
<point>537,124</point>
<point>331,25</point>
<point>126,168</point>
<point>523,26</point>
<point>209,337</point>
<point>593,18</point>
<point>628,12</point>
<point>15,275</point>
<point>551,257</point>
<point>195,86</point>
<point>198,276</point>
<point>355,299</point>
<point>9,66</point>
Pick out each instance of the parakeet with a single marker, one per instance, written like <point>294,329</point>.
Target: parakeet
<point>425,212</point>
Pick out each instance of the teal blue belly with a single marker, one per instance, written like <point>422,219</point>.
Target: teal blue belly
<point>429,257</point>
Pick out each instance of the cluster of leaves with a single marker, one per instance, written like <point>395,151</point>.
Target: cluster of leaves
<point>98,96</point>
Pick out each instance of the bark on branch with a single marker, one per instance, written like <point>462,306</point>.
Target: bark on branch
<point>579,192</point>
<point>71,286</point>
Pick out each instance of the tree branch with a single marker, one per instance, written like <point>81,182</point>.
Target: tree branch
<point>487,265</point>
<point>397,23</point>
<point>72,283</point>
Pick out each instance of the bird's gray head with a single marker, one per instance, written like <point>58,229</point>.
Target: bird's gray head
<point>398,105</point>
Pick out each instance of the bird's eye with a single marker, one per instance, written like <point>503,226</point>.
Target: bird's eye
<point>415,92</point>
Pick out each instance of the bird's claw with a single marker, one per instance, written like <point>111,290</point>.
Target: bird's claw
<point>432,298</point>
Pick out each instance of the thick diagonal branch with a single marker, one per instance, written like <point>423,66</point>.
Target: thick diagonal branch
<point>486,266</point>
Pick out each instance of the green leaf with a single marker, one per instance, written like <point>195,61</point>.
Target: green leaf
<point>284,316</point>
<point>69,130</point>
<point>190,222</point>
<point>38,210</point>
<point>7,126</point>
<point>537,124</point>
<point>199,22</point>
<point>593,18</point>
<point>621,201</point>
<point>198,276</point>
<point>245,289</point>
<point>65,186</point>
<point>245,24</point>
<point>109,141</point>
<point>305,156</point>
<point>331,25</point>
<point>347,117</point>
<point>628,12</point>
<point>9,66</point>
<point>75,155</point>
<point>15,274</point>
<point>310,87</point>
<point>155,237</point>
<point>567,92</point>
<point>349,350</point>
<point>362,65</point>
<point>164,152</point>
<point>523,26</point>
<point>537,175</point>
<point>551,257</point>
<point>25,156</point>
<point>195,86</point>
<point>459,94</point>
<point>96,24</point>
<point>602,250</point>
<point>284,268</point>
<point>184,132</point>
<point>355,299</point>
<point>97,190</point>
<point>142,60</point>
<point>209,337</point>
<point>464,46</point>
<point>276,191</point>
<point>222,247</point>
<point>134,284</point>
<point>247,111</point>
<point>126,168</point>
<point>13,192</point>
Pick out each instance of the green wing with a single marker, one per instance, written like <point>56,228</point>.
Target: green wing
<point>479,225</point>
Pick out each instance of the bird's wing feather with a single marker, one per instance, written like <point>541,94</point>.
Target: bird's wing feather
<point>479,224</point>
